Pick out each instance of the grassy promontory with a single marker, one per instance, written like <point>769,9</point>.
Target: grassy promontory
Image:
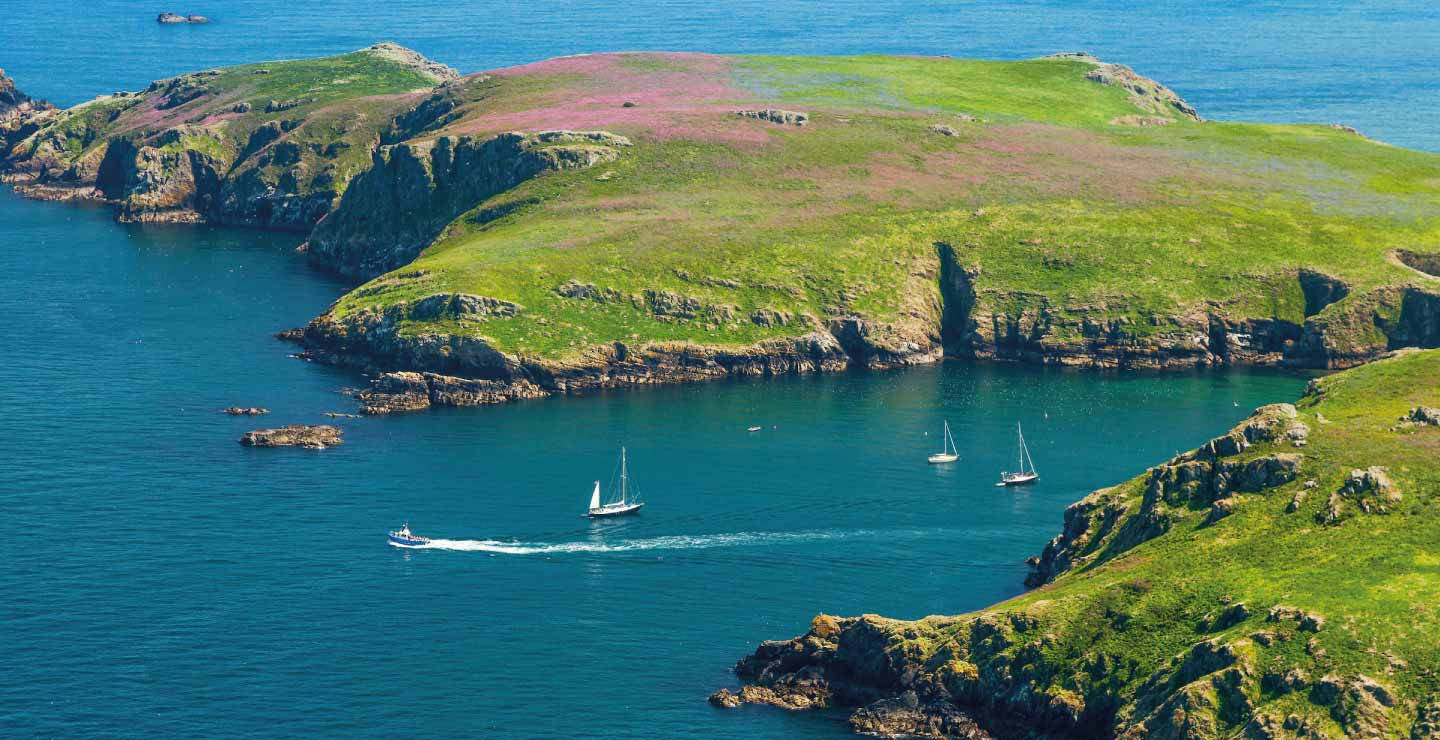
<point>1281,581</point>
<point>630,218</point>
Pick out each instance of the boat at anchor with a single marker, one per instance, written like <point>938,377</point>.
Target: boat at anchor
<point>948,451</point>
<point>1026,472</point>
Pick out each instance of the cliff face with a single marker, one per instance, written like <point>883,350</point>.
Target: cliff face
<point>413,191</point>
<point>238,146</point>
<point>1233,591</point>
<point>20,115</point>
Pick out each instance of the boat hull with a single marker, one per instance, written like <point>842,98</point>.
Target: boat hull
<point>939,459</point>
<point>407,541</point>
<point>1019,481</point>
<point>608,511</point>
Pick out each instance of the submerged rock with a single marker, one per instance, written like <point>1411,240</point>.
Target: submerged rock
<point>294,435</point>
<point>177,18</point>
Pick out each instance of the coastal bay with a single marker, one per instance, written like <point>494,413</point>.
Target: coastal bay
<point>173,582</point>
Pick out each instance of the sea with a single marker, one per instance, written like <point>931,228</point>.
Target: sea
<point>160,580</point>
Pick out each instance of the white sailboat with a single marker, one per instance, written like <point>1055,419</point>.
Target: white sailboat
<point>948,451</point>
<point>626,504</point>
<point>1026,472</point>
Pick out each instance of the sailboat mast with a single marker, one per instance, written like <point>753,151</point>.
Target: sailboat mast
<point>622,475</point>
<point>1021,434</point>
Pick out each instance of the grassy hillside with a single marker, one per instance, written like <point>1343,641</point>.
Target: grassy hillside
<point>1203,599</point>
<point>1031,171</point>
<point>615,219</point>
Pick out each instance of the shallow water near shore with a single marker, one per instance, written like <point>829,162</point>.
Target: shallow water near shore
<point>169,581</point>
<point>161,580</point>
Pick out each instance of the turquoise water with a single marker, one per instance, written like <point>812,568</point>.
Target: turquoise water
<point>160,580</point>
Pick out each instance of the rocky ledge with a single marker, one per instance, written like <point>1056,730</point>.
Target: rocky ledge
<point>294,435</point>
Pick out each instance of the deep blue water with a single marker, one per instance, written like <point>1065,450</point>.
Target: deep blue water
<point>160,580</point>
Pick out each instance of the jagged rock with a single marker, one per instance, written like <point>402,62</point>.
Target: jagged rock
<point>246,411</point>
<point>461,305</point>
<point>1309,621</point>
<point>1221,508</point>
<point>1233,615</point>
<point>1370,489</point>
<point>944,130</point>
<point>725,699</point>
<point>1425,415</point>
<point>1295,502</point>
<point>775,115</point>
<point>770,317</point>
<point>907,716</point>
<point>297,435</point>
<point>588,291</point>
<point>1427,721</point>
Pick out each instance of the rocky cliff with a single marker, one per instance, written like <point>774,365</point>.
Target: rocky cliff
<point>1235,591</point>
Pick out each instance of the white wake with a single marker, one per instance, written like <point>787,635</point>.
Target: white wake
<point>674,542</point>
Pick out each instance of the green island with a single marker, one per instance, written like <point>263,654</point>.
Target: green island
<point>627,219</point>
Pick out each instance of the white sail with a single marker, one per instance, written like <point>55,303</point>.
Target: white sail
<point>595,497</point>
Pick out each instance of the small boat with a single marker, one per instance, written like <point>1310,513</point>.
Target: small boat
<point>948,451</point>
<point>754,429</point>
<point>1024,474</point>
<point>626,504</point>
<point>403,537</point>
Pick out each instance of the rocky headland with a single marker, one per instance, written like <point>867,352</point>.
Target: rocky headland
<point>620,220</point>
<point>1240,590</point>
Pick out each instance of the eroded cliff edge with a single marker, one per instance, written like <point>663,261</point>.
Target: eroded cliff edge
<point>1249,588</point>
<point>627,219</point>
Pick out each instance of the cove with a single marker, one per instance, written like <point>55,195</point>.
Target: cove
<point>173,582</point>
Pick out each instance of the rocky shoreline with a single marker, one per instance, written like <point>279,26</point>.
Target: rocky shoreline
<point>1018,670</point>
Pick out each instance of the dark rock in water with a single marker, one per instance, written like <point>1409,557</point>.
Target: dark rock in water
<point>177,18</point>
<point>294,435</point>
<point>291,335</point>
<point>246,411</point>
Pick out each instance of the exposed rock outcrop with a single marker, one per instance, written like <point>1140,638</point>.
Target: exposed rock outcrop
<point>1202,480</point>
<point>174,18</point>
<point>775,115</point>
<point>246,411</point>
<point>295,435</point>
<point>20,115</point>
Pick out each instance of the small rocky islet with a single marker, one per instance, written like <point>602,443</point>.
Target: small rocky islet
<point>699,216</point>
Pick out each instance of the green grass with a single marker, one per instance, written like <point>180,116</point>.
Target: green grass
<point>1048,199</point>
<point>1375,578</point>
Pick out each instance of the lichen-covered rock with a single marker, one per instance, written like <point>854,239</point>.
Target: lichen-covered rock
<point>295,435</point>
<point>1370,490</point>
<point>1145,92</point>
<point>907,716</point>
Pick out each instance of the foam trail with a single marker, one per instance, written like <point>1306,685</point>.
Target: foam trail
<point>673,542</point>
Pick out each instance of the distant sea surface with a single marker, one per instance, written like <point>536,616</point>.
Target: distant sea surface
<point>162,581</point>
